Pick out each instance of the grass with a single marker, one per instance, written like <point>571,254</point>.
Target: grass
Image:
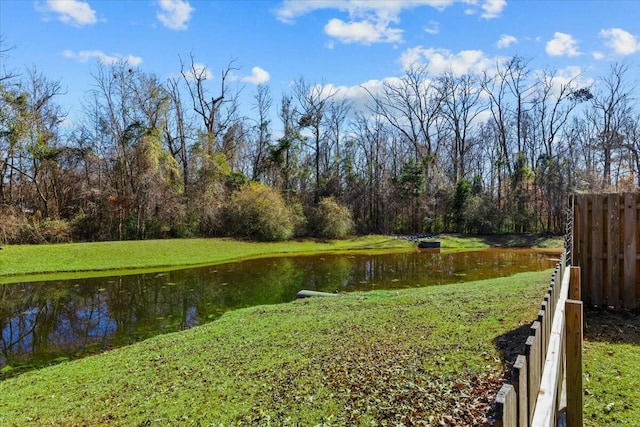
<point>381,358</point>
<point>28,261</point>
<point>611,361</point>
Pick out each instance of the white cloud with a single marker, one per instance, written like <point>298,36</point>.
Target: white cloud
<point>291,9</point>
<point>438,61</point>
<point>571,76</point>
<point>258,76</point>
<point>562,44</point>
<point>174,14</point>
<point>597,55</point>
<point>74,12</point>
<point>575,73</point>
<point>357,95</point>
<point>505,41</point>
<point>362,32</point>
<point>620,41</point>
<point>369,21</point>
<point>198,70</point>
<point>433,27</point>
<point>87,55</point>
<point>492,8</point>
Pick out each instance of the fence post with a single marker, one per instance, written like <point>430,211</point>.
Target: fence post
<point>520,384</point>
<point>575,289</point>
<point>533,353</point>
<point>506,407</point>
<point>573,319</point>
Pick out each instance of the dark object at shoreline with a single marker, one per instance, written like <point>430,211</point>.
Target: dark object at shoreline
<point>428,245</point>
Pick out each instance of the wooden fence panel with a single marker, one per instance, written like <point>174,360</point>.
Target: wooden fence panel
<point>553,347</point>
<point>606,232</point>
<point>537,377</point>
<point>550,384</point>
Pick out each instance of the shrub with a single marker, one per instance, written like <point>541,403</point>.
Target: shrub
<point>299,219</point>
<point>86,228</point>
<point>9,225</point>
<point>36,231</point>
<point>18,228</point>
<point>258,212</point>
<point>331,220</point>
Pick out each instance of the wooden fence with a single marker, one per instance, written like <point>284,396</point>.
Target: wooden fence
<point>546,382</point>
<point>606,245</point>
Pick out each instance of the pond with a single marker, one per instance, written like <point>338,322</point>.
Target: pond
<point>52,321</point>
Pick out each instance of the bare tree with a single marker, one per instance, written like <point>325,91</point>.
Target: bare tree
<point>263,102</point>
<point>611,105</point>
<point>460,107</point>
<point>553,102</point>
<point>177,132</point>
<point>412,105</point>
<point>33,143</point>
<point>335,120</point>
<point>314,101</point>
<point>632,144</point>
<point>208,108</point>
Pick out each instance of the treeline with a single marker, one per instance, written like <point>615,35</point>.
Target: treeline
<point>478,153</point>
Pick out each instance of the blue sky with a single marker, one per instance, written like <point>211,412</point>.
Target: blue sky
<point>343,43</point>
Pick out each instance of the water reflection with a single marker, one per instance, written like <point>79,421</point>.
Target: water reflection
<point>43,322</point>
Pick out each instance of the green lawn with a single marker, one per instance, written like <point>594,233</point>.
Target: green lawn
<point>425,355</point>
<point>611,364</point>
<point>93,258</point>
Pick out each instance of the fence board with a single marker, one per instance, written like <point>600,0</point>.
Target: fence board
<point>532,354</point>
<point>576,246</point>
<point>597,230</point>
<point>613,250</point>
<point>506,407</point>
<point>519,383</point>
<point>574,284</point>
<point>574,317</point>
<point>585,243</point>
<point>630,224</point>
<point>544,336</point>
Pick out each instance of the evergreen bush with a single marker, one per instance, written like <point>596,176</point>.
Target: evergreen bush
<point>258,212</point>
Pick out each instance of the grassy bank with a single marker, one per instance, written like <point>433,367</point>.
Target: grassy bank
<point>415,355</point>
<point>18,261</point>
<point>154,254</point>
<point>611,361</point>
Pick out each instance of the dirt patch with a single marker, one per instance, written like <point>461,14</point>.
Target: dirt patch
<point>532,240</point>
<point>614,326</point>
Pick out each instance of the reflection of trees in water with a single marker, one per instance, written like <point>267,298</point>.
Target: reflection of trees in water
<point>47,320</point>
<point>61,318</point>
